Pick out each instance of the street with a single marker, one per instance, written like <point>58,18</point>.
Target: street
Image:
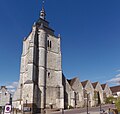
<point>93,110</point>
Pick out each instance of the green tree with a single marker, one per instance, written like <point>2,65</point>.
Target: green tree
<point>110,100</point>
<point>117,104</point>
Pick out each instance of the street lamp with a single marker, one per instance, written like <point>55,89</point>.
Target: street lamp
<point>87,101</point>
<point>76,98</point>
<point>86,95</point>
<point>99,100</point>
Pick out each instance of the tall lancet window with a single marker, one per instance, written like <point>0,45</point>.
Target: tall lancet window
<point>50,44</point>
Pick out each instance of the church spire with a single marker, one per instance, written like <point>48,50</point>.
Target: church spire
<point>42,13</point>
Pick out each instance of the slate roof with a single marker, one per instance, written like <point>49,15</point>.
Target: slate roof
<point>84,83</point>
<point>94,84</point>
<point>115,89</point>
<point>103,86</point>
<point>29,82</point>
<point>71,81</point>
<point>3,87</point>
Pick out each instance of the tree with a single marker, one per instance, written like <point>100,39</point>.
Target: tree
<point>117,104</point>
<point>110,100</point>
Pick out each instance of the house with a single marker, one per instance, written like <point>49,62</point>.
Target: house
<point>69,96</point>
<point>106,91</point>
<point>78,90</point>
<point>115,91</point>
<point>4,96</point>
<point>98,93</point>
<point>88,92</point>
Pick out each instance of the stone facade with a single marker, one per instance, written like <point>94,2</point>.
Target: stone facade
<point>88,91</point>
<point>106,91</point>
<point>40,85</point>
<point>4,96</point>
<point>98,93</point>
<point>78,91</point>
<point>68,94</point>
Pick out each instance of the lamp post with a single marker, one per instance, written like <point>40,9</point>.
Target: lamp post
<point>99,101</point>
<point>62,111</point>
<point>87,103</point>
<point>86,96</point>
<point>76,98</point>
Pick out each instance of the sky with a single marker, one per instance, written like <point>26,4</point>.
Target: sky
<point>90,33</point>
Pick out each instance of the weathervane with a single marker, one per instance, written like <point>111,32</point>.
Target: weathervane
<point>42,13</point>
<point>43,2</point>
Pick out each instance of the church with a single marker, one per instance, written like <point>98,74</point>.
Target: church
<point>42,84</point>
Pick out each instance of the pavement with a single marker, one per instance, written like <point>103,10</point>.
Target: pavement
<point>92,110</point>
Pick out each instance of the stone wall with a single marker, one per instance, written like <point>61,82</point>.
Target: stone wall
<point>4,96</point>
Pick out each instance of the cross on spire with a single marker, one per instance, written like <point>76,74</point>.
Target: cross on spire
<point>43,2</point>
<point>42,13</point>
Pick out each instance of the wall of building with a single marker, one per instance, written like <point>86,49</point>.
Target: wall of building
<point>4,96</point>
<point>78,89</point>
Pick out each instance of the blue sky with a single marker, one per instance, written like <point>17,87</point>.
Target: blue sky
<point>90,31</point>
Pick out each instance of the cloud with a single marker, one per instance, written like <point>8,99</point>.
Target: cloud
<point>115,80</point>
<point>12,87</point>
<point>12,90</point>
<point>118,75</point>
<point>118,70</point>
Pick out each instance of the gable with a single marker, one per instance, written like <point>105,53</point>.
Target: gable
<point>77,86</point>
<point>98,87</point>
<point>84,83</point>
<point>89,86</point>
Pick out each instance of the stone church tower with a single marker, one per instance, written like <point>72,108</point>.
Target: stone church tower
<point>40,85</point>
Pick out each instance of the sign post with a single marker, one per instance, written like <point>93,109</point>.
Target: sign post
<point>7,109</point>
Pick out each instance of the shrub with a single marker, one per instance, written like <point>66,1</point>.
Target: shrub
<point>70,107</point>
<point>110,100</point>
<point>117,104</point>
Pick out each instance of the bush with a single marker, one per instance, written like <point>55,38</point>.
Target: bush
<point>110,100</point>
<point>70,107</point>
<point>117,104</point>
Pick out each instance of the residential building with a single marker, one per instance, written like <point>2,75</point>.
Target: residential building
<point>78,91</point>
<point>4,96</point>
<point>115,91</point>
<point>88,91</point>
<point>98,93</point>
<point>106,91</point>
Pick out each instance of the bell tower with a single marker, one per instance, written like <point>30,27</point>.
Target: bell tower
<point>40,85</point>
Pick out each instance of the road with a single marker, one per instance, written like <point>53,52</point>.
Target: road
<point>93,110</point>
